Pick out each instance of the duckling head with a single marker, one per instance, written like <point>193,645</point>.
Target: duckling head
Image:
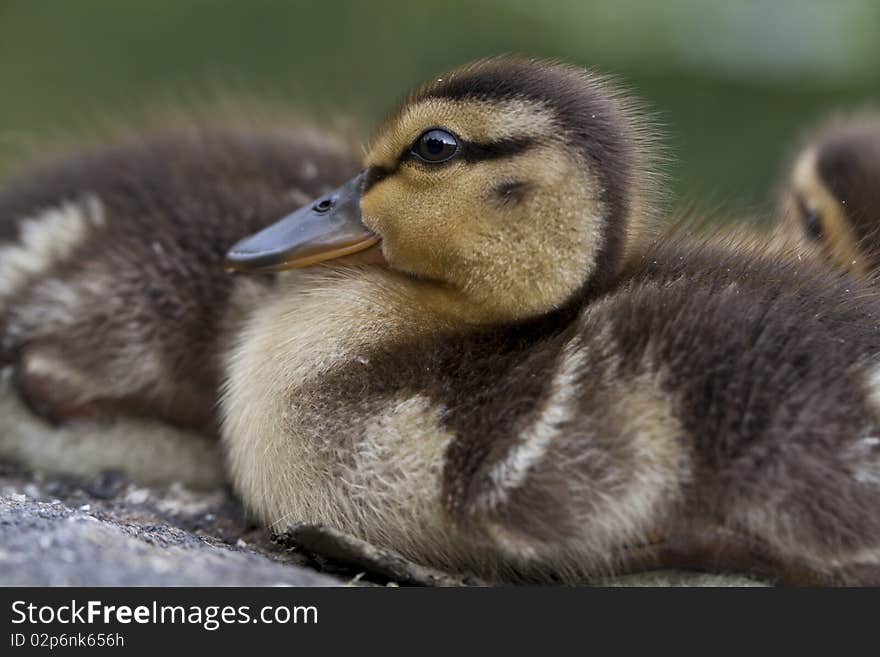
<point>511,184</point>
<point>832,200</point>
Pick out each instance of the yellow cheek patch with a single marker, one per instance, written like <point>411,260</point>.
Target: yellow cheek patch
<point>508,259</point>
<point>456,194</point>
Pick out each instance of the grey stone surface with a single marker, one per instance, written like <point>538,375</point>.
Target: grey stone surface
<point>106,533</point>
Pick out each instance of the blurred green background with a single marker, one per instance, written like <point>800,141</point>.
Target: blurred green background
<point>735,83</point>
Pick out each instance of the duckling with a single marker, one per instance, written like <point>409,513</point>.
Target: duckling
<point>113,299</point>
<point>509,386</point>
<point>831,201</point>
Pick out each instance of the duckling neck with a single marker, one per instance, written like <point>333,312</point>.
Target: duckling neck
<point>403,303</point>
<point>319,316</point>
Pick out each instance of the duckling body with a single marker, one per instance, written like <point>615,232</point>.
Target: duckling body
<point>113,297</point>
<point>520,391</point>
<point>693,397</point>
<point>831,201</point>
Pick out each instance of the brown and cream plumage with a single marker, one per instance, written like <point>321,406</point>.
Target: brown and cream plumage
<point>527,387</point>
<point>485,356</point>
<point>113,298</point>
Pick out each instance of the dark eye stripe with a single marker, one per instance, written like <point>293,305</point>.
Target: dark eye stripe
<point>810,220</point>
<point>377,174</point>
<point>470,152</point>
<point>496,150</point>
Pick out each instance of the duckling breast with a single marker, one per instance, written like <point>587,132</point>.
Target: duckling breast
<point>316,427</point>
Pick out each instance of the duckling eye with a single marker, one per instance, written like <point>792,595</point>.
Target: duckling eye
<point>811,220</point>
<point>813,224</point>
<point>435,145</point>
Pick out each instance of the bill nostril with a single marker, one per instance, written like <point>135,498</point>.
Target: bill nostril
<point>323,205</point>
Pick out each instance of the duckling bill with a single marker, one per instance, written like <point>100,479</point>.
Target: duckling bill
<point>525,389</point>
<point>329,228</point>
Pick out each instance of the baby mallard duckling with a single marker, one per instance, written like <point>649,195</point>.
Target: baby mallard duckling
<point>113,298</point>
<point>831,202</point>
<point>518,391</point>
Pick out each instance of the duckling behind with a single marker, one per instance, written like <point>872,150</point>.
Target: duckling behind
<point>113,297</point>
<point>518,393</point>
<point>831,201</point>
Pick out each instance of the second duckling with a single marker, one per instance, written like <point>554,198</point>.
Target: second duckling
<point>831,202</point>
<point>114,305</point>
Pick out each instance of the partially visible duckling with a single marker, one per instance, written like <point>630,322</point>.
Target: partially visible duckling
<point>516,392</point>
<point>113,297</point>
<point>831,201</point>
